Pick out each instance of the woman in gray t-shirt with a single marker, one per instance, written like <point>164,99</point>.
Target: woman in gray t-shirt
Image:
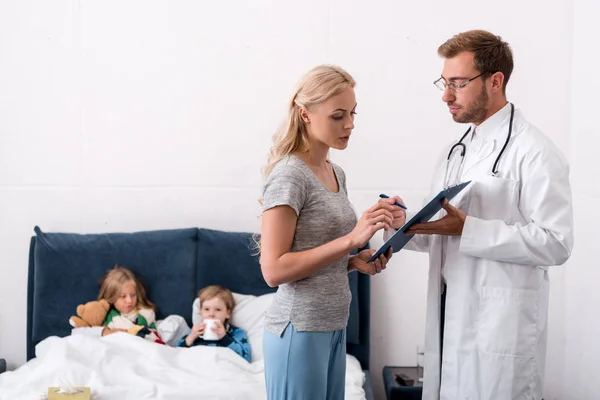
<point>309,228</point>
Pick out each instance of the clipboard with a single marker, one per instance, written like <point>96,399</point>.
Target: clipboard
<point>399,239</point>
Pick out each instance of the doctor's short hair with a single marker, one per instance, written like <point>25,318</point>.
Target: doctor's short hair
<point>492,54</point>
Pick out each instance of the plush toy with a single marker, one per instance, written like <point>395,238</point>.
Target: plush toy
<point>120,322</point>
<point>94,313</point>
<point>90,314</point>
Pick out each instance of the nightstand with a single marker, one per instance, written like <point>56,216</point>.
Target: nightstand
<point>395,391</point>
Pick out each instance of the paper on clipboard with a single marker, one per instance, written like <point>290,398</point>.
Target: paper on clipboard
<point>399,239</point>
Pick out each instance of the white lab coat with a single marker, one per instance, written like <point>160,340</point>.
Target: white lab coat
<point>518,225</point>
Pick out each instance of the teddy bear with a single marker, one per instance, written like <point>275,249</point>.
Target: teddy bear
<point>91,313</point>
<point>120,322</point>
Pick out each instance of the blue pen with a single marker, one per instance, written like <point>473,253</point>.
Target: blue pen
<point>385,196</point>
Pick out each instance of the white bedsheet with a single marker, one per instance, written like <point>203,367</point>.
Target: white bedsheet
<point>122,366</point>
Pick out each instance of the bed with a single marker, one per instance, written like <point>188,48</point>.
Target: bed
<point>64,270</point>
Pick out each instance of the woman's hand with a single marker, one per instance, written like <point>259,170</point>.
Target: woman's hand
<point>398,213</point>
<point>359,262</point>
<point>377,217</point>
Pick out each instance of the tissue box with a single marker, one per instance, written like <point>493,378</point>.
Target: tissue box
<point>84,394</point>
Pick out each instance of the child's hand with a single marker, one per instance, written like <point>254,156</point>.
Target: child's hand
<point>197,330</point>
<point>108,331</point>
<point>219,329</point>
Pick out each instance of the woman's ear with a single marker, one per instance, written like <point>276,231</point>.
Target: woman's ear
<point>304,116</point>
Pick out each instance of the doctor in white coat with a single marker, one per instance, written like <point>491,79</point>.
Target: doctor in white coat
<point>491,246</point>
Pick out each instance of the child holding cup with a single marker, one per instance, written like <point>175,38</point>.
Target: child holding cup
<point>216,305</point>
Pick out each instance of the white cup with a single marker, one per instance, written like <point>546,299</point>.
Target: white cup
<point>209,334</point>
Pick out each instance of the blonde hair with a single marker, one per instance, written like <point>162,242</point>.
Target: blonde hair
<point>112,284</point>
<point>316,86</point>
<point>210,292</point>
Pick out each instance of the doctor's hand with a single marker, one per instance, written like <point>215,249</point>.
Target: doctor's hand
<point>359,262</point>
<point>451,224</point>
<point>398,213</point>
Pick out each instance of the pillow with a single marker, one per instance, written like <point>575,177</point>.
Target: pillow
<point>196,317</point>
<point>249,315</point>
<point>172,329</point>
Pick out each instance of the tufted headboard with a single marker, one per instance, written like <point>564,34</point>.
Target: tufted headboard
<point>65,270</point>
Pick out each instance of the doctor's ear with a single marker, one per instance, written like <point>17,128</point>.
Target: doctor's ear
<point>497,81</point>
<point>304,115</point>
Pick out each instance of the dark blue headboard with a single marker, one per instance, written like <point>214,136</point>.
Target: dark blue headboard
<point>65,269</point>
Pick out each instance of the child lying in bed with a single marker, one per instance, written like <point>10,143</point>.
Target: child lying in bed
<point>129,305</point>
<point>217,303</point>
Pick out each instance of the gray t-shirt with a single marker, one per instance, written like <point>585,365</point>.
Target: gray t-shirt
<point>321,302</point>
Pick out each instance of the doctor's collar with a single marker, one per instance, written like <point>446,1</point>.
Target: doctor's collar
<point>493,123</point>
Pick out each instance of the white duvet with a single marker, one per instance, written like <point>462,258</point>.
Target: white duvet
<point>122,366</point>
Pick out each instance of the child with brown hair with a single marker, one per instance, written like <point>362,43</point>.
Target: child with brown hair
<point>217,303</point>
<point>129,304</point>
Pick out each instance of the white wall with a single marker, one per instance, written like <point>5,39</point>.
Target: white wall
<point>582,352</point>
<point>124,116</point>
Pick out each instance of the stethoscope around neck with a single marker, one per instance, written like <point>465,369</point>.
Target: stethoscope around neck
<point>463,149</point>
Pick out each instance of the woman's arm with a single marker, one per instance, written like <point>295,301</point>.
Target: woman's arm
<point>279,265</point>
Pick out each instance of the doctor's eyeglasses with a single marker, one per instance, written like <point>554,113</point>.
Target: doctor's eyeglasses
<point>441,83</point>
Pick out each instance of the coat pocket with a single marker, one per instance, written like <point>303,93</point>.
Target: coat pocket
<point>493,198</point>
<point>508,322</point>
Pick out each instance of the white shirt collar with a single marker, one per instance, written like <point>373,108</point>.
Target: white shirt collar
<point>492,124</point>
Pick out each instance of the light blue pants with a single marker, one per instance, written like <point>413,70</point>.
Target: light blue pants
<point>305,365</point>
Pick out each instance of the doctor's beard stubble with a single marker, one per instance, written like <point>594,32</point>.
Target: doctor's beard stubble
<point>475,112</point>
